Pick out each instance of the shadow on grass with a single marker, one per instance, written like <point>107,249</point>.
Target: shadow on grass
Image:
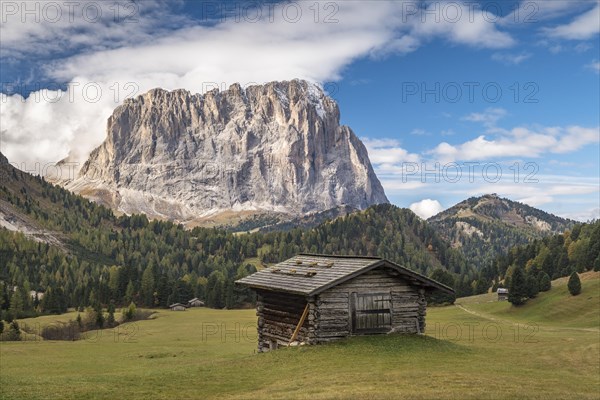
<point>398,342</point>
<point>392,345</point>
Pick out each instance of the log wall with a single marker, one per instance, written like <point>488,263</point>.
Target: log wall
<point>278,315</point>
<point>333,307</point>
<point>330,315</point>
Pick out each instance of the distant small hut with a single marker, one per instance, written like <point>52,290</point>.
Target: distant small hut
<point>502,294</point>
<point>195,302</point>
<point>178,307</point>
<point>311,299</point>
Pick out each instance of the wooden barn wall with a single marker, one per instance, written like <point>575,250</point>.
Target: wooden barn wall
<point>278,315</point>
<point>333,318</point>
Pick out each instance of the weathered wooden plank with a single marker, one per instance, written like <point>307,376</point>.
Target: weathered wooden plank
<point>330,294</point>
<point>333,301</point>
<point>329,334</point>
<point>330,317</point>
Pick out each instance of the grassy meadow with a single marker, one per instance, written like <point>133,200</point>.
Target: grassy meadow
<point>478,348</point>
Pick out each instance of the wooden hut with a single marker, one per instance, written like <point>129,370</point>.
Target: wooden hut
<point>314,299</point>
<point>178,307</point>
<point>195,302</point>
<point>502,294</point>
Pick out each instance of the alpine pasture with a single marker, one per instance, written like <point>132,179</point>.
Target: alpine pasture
<point>478,348</point>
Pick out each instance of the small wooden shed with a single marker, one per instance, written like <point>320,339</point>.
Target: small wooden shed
<point>502,294</point>
<point>178,307</point>
<point>314,299</point>
<point>195,302</point>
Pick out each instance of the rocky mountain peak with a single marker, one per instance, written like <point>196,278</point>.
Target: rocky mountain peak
<point>276,147</point>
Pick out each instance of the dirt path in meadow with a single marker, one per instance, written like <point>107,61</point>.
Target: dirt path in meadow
<point>506,321</point>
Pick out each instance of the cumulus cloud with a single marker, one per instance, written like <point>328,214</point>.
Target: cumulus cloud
<point>519,142</point>
<point>48,28</point>
<point>165,49</point>
<point>426,208</point>
<point>583,27</point>
<point>388,151</point>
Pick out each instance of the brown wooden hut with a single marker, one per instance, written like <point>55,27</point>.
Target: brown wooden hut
<point>314,299</point>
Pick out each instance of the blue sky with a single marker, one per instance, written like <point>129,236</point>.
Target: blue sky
<point>506,86</point>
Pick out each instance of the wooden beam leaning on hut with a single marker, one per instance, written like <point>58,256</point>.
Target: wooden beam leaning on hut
<point>300,323</point>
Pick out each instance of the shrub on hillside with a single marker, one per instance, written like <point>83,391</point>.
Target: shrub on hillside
<point>129,313</point>
<point>13,333</point>
<point>61,331</point>
<point>574,284</point>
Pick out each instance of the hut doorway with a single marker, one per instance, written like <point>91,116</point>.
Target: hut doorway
<point>371,313</point>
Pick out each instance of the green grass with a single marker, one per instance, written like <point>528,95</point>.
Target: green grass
<point>479,351</point>
<point>556,307</point>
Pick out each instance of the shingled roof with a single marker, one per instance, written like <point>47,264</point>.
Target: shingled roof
<point>311,274</point>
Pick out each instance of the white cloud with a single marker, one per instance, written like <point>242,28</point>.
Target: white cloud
<point>536,200</point>
<point>420,132</point>
<point>518,142</point>
<point>426,208</point>
<point>529,12</point>
<point>583,27</point>
<point>47,28</point>
<point>166,50</point>
<point>388,152</point>
<point>594,66</point>
<point>397,186</point>
<point>511,59</point>
<point>489,118</point>
<point>473,27</point>
<point>590,214</point>
<point>544,191</point>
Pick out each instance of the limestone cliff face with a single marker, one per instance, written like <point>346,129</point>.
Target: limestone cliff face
<point>276,147</point>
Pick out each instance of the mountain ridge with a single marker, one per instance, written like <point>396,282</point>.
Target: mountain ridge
<point>277,147</point>
<point>486,226</point>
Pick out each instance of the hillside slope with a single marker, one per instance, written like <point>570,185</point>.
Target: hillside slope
<point>487,226</point>
<point>101,257</point>
<point>556,307</point>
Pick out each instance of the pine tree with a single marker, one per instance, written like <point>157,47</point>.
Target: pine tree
<point>99,316</point>
<point>446,278</point>
<point>1,327</point>
<point>545,282</point>
<point>16,304</point>
<point>148,286</point>
<point>110,320</point>
<point>130,312</point>
<point>129,292</point>
<point>574,284</point>
<point>14,333</point>
<point>533,286</point>
<point>517,292</point>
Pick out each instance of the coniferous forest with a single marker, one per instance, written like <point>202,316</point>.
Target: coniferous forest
<point>84,255</point>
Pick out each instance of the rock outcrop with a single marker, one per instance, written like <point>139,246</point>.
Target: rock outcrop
<point>276,147</point>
